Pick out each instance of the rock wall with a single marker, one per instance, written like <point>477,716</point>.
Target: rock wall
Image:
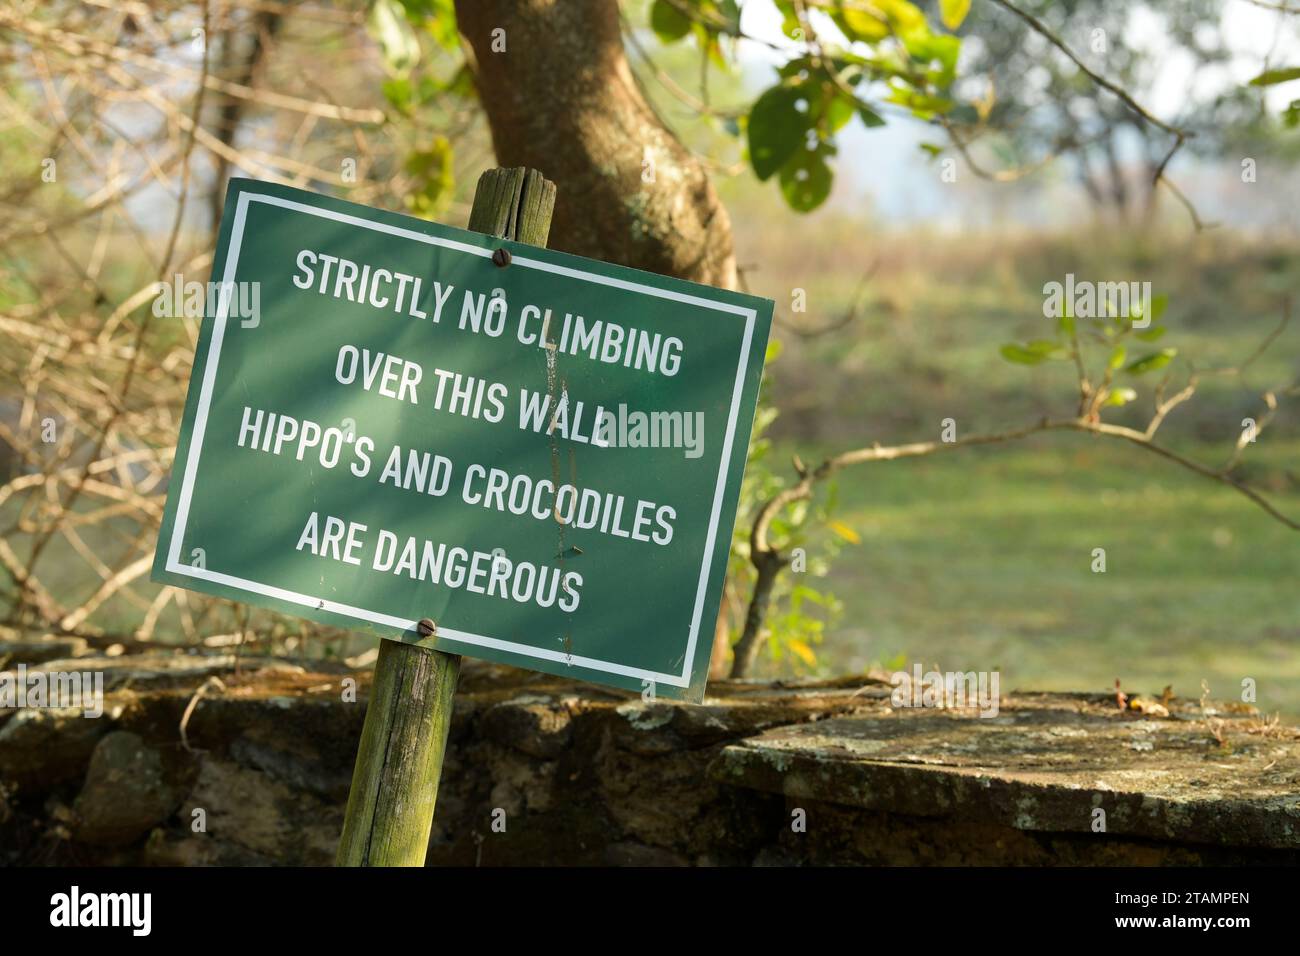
<point>214,760</point>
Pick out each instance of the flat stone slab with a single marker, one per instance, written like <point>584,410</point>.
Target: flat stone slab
<point>1044,763</point>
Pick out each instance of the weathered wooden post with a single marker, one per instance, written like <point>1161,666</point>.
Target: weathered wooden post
<point>399,760</point>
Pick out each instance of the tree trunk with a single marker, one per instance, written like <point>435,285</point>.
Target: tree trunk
<point>560,97</point>
<point>768,565</point>
<point>242,69</point>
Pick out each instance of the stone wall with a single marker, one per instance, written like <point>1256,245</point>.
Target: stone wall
<point>259,752</point>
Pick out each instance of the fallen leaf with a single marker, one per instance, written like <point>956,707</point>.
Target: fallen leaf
<point>1148,706</point>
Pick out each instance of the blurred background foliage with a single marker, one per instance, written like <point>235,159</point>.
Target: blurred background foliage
<point>903,179</point>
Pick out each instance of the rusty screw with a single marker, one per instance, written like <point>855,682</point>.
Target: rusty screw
<point>426,627</point>
<point>501,257</point>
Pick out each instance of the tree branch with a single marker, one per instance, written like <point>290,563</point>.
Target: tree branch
<point>1180,135</point>
<point>768,561</point>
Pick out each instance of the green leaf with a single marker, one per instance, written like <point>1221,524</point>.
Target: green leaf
<point>1158,305</point>
<point>1031,353</point>
<point>398,92</point>
<point>1120,396</point>
<point>1273,77</point>
<point>1151,334</point>
<point>439,20</point>
<point>791,26</point>
<point>387,23</point>
<point>806,180</point>
<point>870,117</point>
<point>1151,362</point>
<point>875,20</point>
<point>729,12</point>
<point>1018,353</point>
<point>668,22</point>
<point>904,16</point>
<point>707,37</point>
<point>953,12</point>
<point>838,110</point>
<point>1117,357</point>
<point>1066,323</point>
<point>434,178</point>
<point>922,105</point>
<point>800,68</point>
<point>858,23</point>
<point>926,47</point>
<point>776,129</point>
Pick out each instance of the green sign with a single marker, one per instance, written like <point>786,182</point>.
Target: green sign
<point>386,424</point>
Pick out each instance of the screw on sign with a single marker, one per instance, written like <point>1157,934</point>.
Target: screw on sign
<point>540,466</point>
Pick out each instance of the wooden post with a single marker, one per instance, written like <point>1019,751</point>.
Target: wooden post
<point>399,761</point>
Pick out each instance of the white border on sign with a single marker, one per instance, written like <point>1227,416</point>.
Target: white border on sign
<point>175,566</point>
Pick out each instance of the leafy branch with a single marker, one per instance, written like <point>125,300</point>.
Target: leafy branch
<point>769,558</point>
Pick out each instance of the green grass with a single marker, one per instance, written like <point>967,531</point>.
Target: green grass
<point>981,559</point>
<point>924,342</point>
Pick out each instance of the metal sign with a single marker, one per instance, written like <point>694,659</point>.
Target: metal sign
<point>392,420</point>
